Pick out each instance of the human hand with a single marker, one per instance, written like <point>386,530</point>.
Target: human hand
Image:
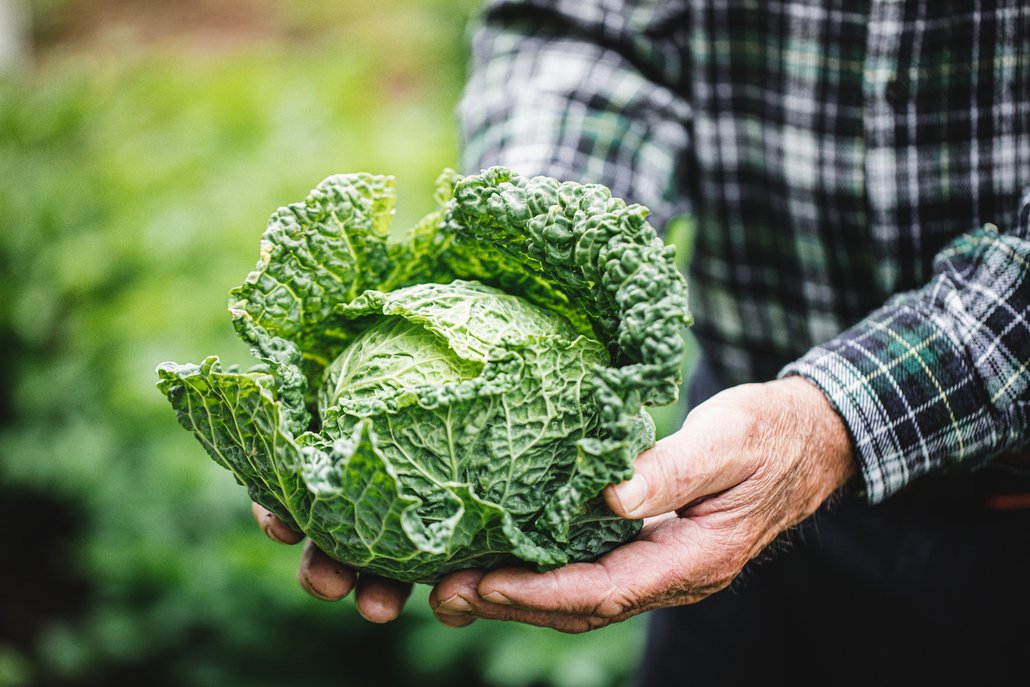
<point>747,464</point>
<point>378,599</point>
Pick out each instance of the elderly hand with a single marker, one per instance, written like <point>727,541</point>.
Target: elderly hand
<point>378,599</point>
<point>747,464</point>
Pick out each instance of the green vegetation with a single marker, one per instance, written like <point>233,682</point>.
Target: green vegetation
<point>136,179</point>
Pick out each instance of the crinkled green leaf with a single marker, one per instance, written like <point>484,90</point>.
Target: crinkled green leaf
<point>241,425</point>
<point>315,255</point>
<point>360,516</point>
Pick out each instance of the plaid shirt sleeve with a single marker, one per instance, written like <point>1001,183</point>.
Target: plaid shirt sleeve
<point>938,377</point>
<point>589,90</point>
<point>602,91</point>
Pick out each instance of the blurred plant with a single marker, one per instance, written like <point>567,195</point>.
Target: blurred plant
<point>132,176</point>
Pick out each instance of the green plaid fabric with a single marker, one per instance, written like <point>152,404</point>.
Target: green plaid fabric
<point>854,169</point>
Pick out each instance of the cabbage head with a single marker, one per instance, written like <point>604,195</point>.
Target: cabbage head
<point>458,397</point>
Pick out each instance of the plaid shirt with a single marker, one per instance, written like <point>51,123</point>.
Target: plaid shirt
<point>854,169</point>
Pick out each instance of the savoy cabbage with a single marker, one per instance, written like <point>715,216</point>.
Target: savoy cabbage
<point>455,399</point>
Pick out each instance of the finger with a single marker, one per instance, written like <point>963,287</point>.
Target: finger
<point>680,562</point>
<point>705,457</point>
<point>586,589</point>
<point>322,576</point>
<point>455,619</point>
<point>379,599</point>
<point>571,624</point>
<point>456,603</point>
<point>273,526</point>
<point>451,594</point>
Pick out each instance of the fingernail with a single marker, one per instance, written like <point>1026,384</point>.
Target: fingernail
<point>497,598</point>
<point>314,592</point>
<point>631,494</point>
<point>455,604</point>
<point>305,584</point>
<point>270,533</point>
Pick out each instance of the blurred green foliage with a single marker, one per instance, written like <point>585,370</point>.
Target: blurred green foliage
<point>136,180</point>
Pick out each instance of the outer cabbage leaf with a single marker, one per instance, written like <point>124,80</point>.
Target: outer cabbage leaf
<point>238,420</point>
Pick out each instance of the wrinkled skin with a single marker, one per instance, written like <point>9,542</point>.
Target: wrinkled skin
<point>746,465</point>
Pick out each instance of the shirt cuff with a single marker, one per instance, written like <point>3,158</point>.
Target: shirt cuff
<point>910,400</point>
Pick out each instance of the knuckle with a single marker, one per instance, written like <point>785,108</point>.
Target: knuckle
<point>463,582</point>
<point>580,625</point>
<point>610,608</point>
<point>662,474</point>
<point>553,583</point>
<point>591,623</point>
<point>615,601</point>
<point>734,409</point>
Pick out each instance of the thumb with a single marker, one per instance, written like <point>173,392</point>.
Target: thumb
<point>706,456</point>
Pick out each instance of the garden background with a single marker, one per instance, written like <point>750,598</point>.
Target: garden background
<point>143,145</point>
